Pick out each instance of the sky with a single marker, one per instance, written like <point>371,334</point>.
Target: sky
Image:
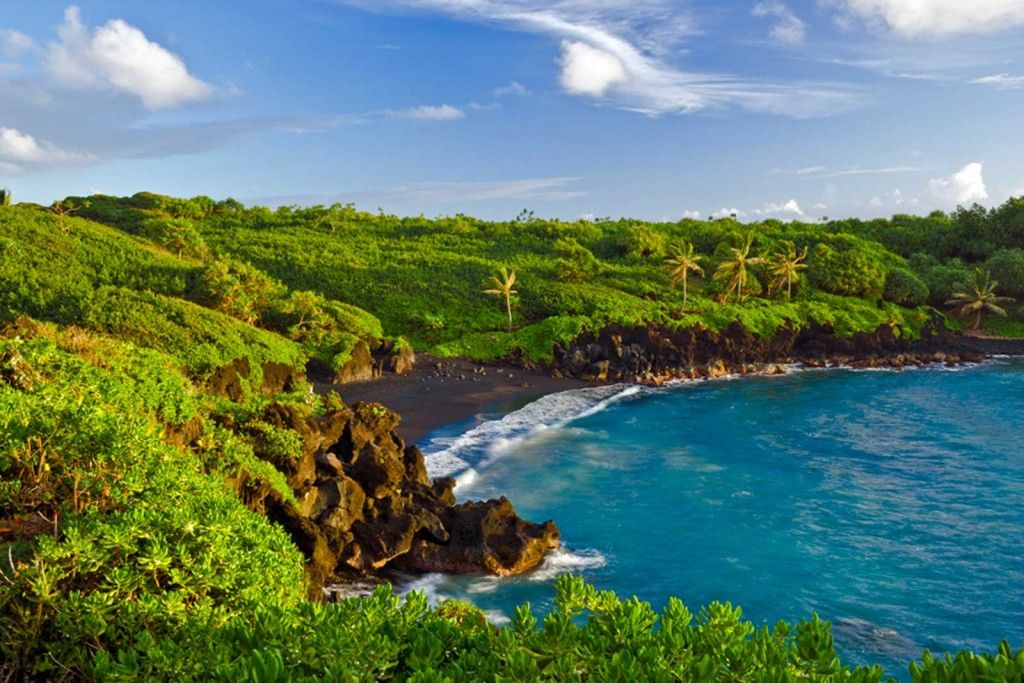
<point>654,109</point>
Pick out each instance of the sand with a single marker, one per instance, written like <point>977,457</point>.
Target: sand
<point>440,391</point>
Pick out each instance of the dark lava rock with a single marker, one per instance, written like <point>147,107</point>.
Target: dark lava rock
<point>485,536</point>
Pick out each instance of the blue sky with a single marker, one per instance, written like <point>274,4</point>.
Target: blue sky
<point>648,108</point>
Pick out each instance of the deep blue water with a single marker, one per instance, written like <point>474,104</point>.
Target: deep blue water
<point>890,503</point>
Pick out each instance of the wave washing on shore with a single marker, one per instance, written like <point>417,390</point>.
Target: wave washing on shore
<point>881,500</point>
<point>462,457</point>
<point>439,587</point>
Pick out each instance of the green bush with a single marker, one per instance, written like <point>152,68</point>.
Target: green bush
<point>844,267</point>
<point>1007,268</point>
<point>905,288</point>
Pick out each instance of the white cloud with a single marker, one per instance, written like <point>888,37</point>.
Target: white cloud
<point>427,112</point>
<point>692,214</point>
<point>589,71</point>
<point>730,213</point>
<point>811,169</point>
<point>788,28</point>
<point>1001,81</point>
<point>13,43</point>
<point>619,51</point>
<point>932,18</point>
<point>513,89</point>
<point>18,149</point>
<point>966,185</point>
<point>119,57</point>
<point>884,170</point>
<point>790,207</point>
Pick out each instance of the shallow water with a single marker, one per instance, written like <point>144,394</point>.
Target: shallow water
<point>890,503</point>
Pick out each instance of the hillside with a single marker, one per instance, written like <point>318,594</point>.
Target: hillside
<point>172,493</point>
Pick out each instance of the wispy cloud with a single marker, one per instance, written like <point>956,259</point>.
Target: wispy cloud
<point>607,56</point>
<point>788,28</point>
<point>884,170</point>
<point>1001,81</point>
<point>429,112</point>
<point>513,89</point>
<point>444,193</point>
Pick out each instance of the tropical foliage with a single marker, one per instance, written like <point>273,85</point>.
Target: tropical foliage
<point>132,530</point>
<point>980,300</point>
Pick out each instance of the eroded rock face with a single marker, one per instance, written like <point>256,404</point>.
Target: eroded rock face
<point>653,354</point>
<point>365,504</point>
<point>484,534</point>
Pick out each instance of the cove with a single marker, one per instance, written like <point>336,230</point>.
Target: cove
<point>891,503</point>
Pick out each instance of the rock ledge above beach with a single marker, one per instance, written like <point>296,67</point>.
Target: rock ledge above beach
<point>365,504</point>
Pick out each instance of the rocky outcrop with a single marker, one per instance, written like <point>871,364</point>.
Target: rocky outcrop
<point>370,361</point>
<point>654,354</point>
<point>230,380</point>
<point>364,503</point>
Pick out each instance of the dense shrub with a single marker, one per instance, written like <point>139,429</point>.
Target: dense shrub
<point>843,268</point>
<point>1007,268</point>
<point>638,241</point>
<point>905,288</point>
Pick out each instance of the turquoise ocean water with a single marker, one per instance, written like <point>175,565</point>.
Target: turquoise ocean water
<point>889,502</point>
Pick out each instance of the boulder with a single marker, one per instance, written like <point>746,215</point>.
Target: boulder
<point>278,377</point>
<point>486,537</point>
<point>228,381</point>
<point>379,471</point>
<point>359,368</point>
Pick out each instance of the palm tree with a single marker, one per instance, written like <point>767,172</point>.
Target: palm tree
<point>983,299</point>
<point>503,287</point>
<point>735,270</point>
<point>786,266</point>
<point>682,261</point>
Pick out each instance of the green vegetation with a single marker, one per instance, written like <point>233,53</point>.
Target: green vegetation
<point>132,501</point>
<point>980,300</point>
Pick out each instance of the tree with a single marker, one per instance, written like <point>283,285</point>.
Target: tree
<point>503,287</point>
<point>982,299</point>
<point>5,197</point>
<point>63,210</point>
<point>736,269</point>
<point>786,266</point>
<point>682,261</point>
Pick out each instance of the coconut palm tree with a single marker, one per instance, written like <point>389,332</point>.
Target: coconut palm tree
<point>982,299</point>
<point>786,266</point>
<point>735,270</point>
<point>503,287</point>
<point>682,261</point>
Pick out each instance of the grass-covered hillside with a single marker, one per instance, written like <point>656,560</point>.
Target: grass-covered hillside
<point>425,279</point>
<point>134,530</point>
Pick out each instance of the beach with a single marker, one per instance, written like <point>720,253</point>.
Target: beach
<point>440,391</point>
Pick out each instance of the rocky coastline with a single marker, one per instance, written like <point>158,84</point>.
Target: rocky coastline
<point>365,510</point>
<point>653,355</point>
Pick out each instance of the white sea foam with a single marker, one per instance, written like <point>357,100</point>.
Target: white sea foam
<point>462,457</point>
<point>564,561</point>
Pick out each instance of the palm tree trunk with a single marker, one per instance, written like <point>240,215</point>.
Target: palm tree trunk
<point>508,308</point>
<point>789,290</point>
<point>684,290</point>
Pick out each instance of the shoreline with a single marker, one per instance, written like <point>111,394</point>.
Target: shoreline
<point>442,391</point>
<point>438,392</point>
